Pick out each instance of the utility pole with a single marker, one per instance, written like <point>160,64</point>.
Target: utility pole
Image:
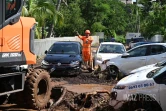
<point>58,5</point>
<point>137,18</point>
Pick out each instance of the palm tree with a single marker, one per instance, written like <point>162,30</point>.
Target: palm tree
<point>42,10</point>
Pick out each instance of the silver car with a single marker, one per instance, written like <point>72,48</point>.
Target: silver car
<point>108,50</point>
<point>137,57</point>
<point>159,64</point>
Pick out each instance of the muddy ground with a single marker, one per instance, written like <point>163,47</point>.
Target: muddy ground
<point>84,83</point>
<point>77,88</point>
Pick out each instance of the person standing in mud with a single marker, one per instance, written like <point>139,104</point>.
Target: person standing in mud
<point>86,50</point>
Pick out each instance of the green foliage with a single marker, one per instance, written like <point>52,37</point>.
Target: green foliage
<point>154,22</point>
<point>72,20</point>
<point>94,11</point>
<point>112,17</point>
<point>120,38</point>
<point>97,27</point>
<point>42,10</point>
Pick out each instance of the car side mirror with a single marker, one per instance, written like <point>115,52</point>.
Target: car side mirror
<point>46,52</point>
<point>125,55</point>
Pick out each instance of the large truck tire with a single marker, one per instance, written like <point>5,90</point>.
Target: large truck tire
<point>38,89</point>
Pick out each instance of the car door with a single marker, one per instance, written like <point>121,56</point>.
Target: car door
<point>156,54</point>
<point>160,80</point>
<point>137,58</point>
<point>162,96</point>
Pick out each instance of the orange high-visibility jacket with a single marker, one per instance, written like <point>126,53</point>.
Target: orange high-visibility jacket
<point>86,42</point>
<point>86,51</point>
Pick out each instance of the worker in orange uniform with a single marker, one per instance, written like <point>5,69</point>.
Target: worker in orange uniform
<point>86,51</point>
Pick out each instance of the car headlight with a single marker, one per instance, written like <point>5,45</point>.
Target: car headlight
<point>114,95</point>
<point>120,87</point>
<point>44,62</point>
<point>99,58</point>
<point>74,63</point>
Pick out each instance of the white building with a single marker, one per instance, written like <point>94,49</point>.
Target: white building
<point>132,1</point>
<point>128,1</point>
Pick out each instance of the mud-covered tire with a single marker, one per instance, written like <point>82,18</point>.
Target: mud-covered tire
<point>38,89</point>
<point>112,72</point>
<point>29,70</point>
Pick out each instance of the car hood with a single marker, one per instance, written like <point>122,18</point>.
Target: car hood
<point>108,56</point>
<point>116,59</point>
<point>137,77</point>
<point>142,68</point>
<point>62,58</point>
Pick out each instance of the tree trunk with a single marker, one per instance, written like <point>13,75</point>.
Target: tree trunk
<point>52,26</point>
<point>43,33</point>
<point>51,29</point>
<point>59,4</point>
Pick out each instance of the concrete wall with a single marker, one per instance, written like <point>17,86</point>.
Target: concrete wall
<point>44,44</point>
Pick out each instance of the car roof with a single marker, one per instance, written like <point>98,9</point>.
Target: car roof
<point>144,42</point>
<point>164,44</point>
<point>141,43</point>
<point>153,44</point>
<point>116,43</point>
<point>66,42</point>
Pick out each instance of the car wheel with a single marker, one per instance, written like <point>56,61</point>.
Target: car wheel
<point>113,72</point>
<point>79,70</point>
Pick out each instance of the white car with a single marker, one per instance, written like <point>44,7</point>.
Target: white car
<point>137,57</point>
<point>108,50</point>
<point>144,90</point>
<point>159,64</point>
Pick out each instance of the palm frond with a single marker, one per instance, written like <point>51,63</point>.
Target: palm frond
<point>24,11</point>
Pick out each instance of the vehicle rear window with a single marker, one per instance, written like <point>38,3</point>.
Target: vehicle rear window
<point>64,49</point>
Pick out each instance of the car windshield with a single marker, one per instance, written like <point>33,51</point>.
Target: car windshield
<point>64,49</point>
<point>111,48</point>
<point>156,72</point>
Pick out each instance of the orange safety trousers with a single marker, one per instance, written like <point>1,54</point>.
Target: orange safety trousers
<point>86,55</point>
